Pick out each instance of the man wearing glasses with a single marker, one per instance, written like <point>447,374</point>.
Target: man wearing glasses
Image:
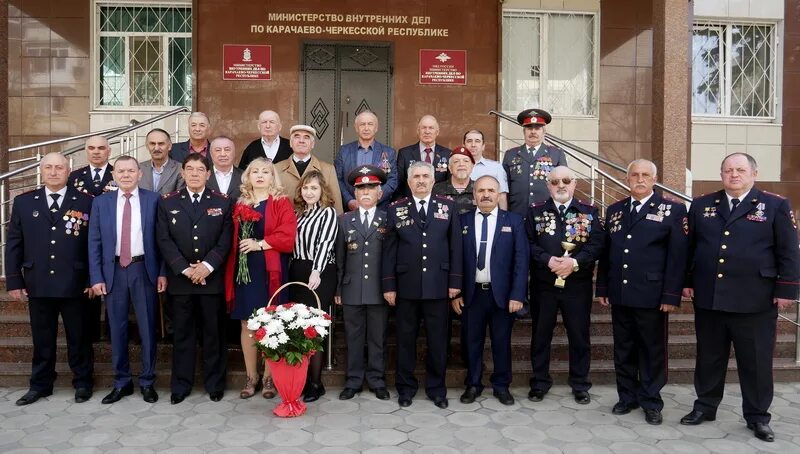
<point>562,281</point>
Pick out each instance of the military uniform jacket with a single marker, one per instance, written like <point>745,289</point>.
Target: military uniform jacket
<point>47,253</point>
<point>546,230</point>
<point>527,176</point>
<point>358,258</point>
<point>421,261</point>
<point>187,235</point>
<point>740,262</point>
<point>81,179</point>
<point>644,262</point>
<point>465,200</point>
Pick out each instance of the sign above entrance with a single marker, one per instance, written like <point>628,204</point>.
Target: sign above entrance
<point>246,62</point>
<point>442,67</point>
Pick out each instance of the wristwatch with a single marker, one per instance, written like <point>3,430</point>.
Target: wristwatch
<point>261,245</point>
<point>575,266</point>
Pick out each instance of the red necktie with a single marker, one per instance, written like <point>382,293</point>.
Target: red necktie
<point>428,156</point>
<point>125,240</point>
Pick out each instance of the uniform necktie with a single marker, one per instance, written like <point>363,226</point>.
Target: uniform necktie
<point>96,175</point>
<point>422,211</point>
<point>366,221</point>
<point>532,151</point>
<point>54,205</point>
<point>125,238</point>
<point>561,210</point>
<point>734,204</point>
<point>484,240</point>
<point>635,206</point>
<point>428,158</point>
<point>195,198</point>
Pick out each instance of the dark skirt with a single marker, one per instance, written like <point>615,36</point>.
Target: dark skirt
<point>300,270</point>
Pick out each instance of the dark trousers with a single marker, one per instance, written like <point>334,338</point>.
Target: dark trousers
<point>436,318</point>
<point>132,285</point>
<point>482,311</point>
<point>365,323</point>
<point>44,314</point>
<point>576,307</point>
<point>209,312</point>
<point>753,339</point>
<point>93,318</point>
<point>640,355</point>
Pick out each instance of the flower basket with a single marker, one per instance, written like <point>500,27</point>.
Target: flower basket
<point>288,335</point>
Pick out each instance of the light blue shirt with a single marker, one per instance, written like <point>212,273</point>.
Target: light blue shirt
<point>492,168</point>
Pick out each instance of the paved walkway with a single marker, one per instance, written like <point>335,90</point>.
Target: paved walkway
<point>365,424</point>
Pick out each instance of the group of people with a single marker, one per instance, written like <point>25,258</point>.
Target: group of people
<point>428,233</point>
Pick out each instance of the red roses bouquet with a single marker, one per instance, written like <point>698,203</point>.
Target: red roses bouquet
<point>245,217</point>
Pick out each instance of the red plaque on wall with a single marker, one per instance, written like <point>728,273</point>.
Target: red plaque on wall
<point>246,62</point>
<point>442,67</point>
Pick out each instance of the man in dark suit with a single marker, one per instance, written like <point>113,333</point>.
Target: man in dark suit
<point>421,269</point>
<point>529,165</point>
<point>225,178</point>
<point>270,145</point>
<point>46,262</point>
<point>125,266</point>
<point>160,174</point>
<point>744,267</point>
<point>194,232</point>
<point>560,282</point>
<point>358,261</point>
<point>199,132</point>
<point>365,151</point>
<point>426,150</point>
<point>496,258</point>
<point>641,275</point>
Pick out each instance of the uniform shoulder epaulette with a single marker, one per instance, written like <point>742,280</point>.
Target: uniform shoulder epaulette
<point>537,204</point>
<point>444,196</point>
<point>221,194</point>
<point>774,194</point>
<point>585,203</point>
<point>671,198</point>
<point>170,194</point>
<point>399,201</point>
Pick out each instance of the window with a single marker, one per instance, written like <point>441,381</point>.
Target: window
<point>549,62</point>
<point>733,67</point>
<point>145,56</point>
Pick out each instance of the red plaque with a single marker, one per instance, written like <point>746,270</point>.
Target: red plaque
<point>246,62</point>
<point>442,67</point>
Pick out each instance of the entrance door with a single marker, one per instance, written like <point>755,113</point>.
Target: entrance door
<point>339,81</point>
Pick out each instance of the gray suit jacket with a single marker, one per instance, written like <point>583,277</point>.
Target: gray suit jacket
<point>358,258</point>
<point>233,188</point>
<point>171,179</point>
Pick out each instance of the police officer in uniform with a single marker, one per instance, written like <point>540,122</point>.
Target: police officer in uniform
<point>459,186</point>
<point>562,219</point>
<point>744,267</point>
<point>194,233</point>
<point>529,165</point>
<point>421,271</point>
<point>641,275</point>
<point>46,260</point>
<point>358,260</point>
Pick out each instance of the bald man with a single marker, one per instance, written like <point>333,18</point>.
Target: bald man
<point>270,145</point>
<point>426,150</point>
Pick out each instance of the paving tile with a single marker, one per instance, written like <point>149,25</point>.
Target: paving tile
<point>384,437</point>
<point>632,447</point>
<point>584,448</point>
<point>478,435</point>
<point>192,437</point>
<point>468,419</point>
<point>144,437</point>
<point>240,437</point>
<point>288,437</point>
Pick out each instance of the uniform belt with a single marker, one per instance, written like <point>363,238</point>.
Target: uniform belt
<point>483,285</point>
<point>137,258</point>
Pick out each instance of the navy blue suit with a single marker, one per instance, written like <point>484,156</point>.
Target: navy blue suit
<point>135,283</point>
<point>383,157</point>
<point>46,255</point>
<point>508,266</point>
<point>411,153</point>
<point>82,180</point>
<point>421,260</point>
<point>642,267</point>
<point>180,150</point>
<point>739,262</point>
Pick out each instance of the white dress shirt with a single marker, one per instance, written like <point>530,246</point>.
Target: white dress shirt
<point>370,215</point>
<point>641,202</point>
<point>485,274</point>
<point>137,240</point>
<point>62,192</point>
<point>296,159</point>
<point>271,149</point>
<point>102,170</point>
<point>422,151</point>
<point>566,205</point>
<point>191,199</point>
<point>741,198</point>
<point>223,179</point>
<point>427,204</point>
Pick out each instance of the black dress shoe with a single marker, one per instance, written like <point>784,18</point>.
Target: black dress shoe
<point>176,398</point>
<point>314,392</point>
<point>536,395</point>
<point>470,394</point>
<point>348,393</point>
<point>440,402</point>
<point>762,431</point>
<point>32,396</point>
<point>696,417</point>
<point>504,397</point>
<point>582,397</point>
<point>149,394</point>
<point>381,393</point>
<point>621,408</point>
<point>118,393</point>
<point>404,401</point>
<point>82,395</point>
<point>653,417</point>
<point>216,396</point>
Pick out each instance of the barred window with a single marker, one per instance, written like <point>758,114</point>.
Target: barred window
<point>549,62</point>
<point>144,55</point>
<point>733,70</point>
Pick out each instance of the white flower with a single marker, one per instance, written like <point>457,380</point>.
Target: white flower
<point>253,324</point>
<point>283,338</point>
<point>286,316</point>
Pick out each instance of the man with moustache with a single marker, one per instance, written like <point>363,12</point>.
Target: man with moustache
<point>495,257</point>
<point>358,261</point>
<point>474,142</point>
<point>562,219</point>
<point>744,267</point>
<point>270,145</point>
<point>529,165</point>
<point>365,151</point>
<point>426,150</point>
<point>199,132</point>
<point>459,186</point>
<point>641,275</point>
<point>160,174</point>
<point>225,178</point>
